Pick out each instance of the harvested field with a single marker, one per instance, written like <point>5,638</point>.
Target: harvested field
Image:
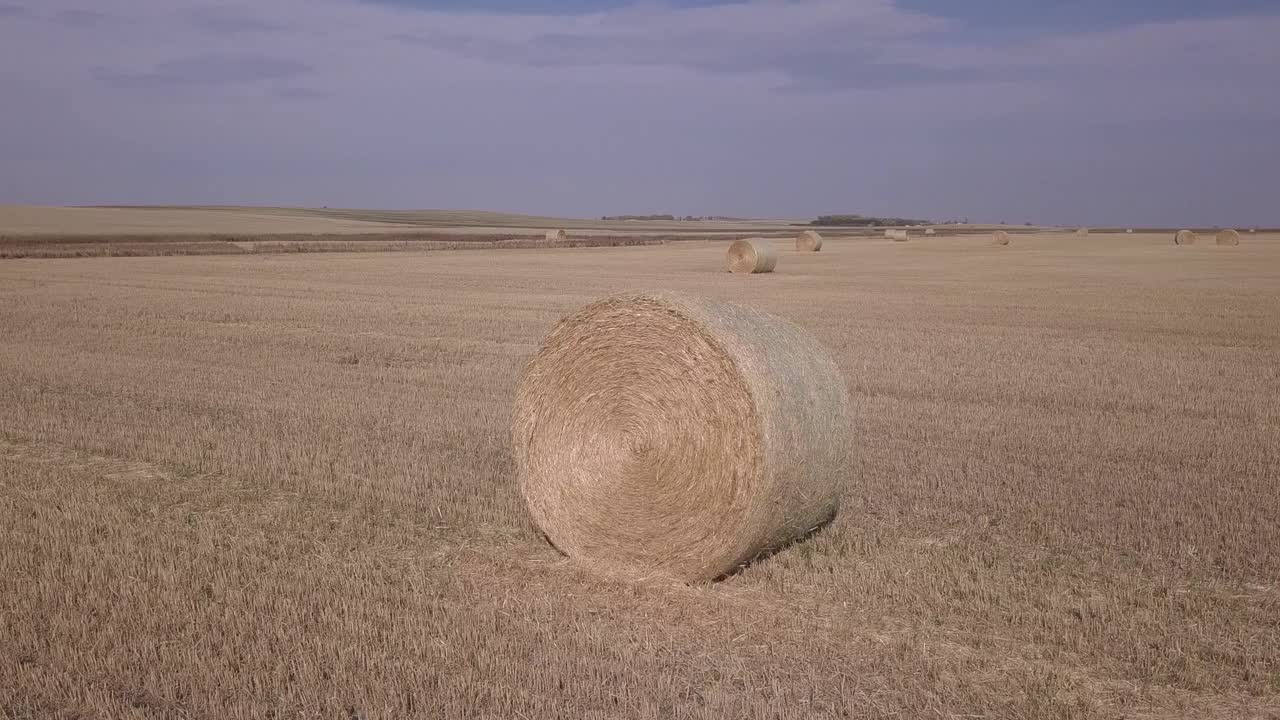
<point>282,486</point>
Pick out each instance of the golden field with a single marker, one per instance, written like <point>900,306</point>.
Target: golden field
<point>280,486</point>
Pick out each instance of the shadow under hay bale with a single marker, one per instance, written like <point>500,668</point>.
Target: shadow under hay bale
<point>728,444</point>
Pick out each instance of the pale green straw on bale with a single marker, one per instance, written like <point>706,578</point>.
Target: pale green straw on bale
<point>664,434</point>
<point>809,241</point>
<point>752,255</point>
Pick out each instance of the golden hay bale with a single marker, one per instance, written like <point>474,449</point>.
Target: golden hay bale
<point>896,235</point>
<point>808,241</point>
<point>752,255</point>
<point>1082,232</point>
<point>1184,237</point>
<point>1228,237</point>
<point>665,434</point>
<point>554,235</point>
<point>1001,238</point>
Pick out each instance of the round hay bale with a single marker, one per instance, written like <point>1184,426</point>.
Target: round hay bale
<point>808,241</point>
<point>752,255</point>
<point>930,231</point>
<point>1001,238</point>
<point>1129,231</point>
<point>897,235</point>
<point>1082,232</point>
<point>1184,237</point>
<point>554,235</point>
<point>1228,237</point>
<point>665,434</point>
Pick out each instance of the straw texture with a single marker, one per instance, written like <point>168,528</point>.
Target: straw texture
<point>1000,238</point>
<point>1228,237</point>
<point>808,241</point>
<point>1184,237</point>
<point>752,255</point>
<point>665,434</point>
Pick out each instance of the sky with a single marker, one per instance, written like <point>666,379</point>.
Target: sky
<point>1093,112</point>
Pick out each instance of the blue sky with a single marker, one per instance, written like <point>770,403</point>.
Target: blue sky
<point>1087,112</point>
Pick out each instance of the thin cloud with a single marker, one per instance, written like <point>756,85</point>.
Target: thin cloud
<point>221,20</point>
<point>209,70</point>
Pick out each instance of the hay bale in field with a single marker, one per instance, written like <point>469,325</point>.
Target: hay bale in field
<point>930,231</point>
<point>666,434</point>
<point>1000,238</point>
<point>808,241</point>
<point>1082,232</point>
<point>896,235</point>
<point>556,235</point>
<point>1184,237</point>
<point>1228,237</point>
<point>752,255</point>
<point>1129,231</point>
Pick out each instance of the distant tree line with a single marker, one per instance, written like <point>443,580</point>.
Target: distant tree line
<point>686,218</point>
<point>864,221</point>
<point>638,217</point>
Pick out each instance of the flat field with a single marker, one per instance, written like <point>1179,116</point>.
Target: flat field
<point>281,486</point>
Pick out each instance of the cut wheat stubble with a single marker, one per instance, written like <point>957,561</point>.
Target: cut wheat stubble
<point>663,434</point>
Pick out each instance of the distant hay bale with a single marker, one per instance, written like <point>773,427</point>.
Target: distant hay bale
<point>665,434</point>
<point>1082,232</point>
<point>752,255</point>
<point>930,231</point>
<point>1129,231</point>
<point>1228,237</point>
<point>1184,237</point>
<point>897,235</point>
<point>808,241</point>
<point>1001,238</point>
<point>556,235</point>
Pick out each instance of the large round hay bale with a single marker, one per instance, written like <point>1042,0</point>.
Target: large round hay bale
<point>1000,238</point>
<point>1228,237</point>
<point>1082,232</point>
<point>752,255</point>
<point>896,235</point>
<point>554,235</point>
<point>930,231</point>
<point>1184,237</point>
<point>808,241</point>
<point>661,433</point>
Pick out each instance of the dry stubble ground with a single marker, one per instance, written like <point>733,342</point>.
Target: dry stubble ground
<point>280,486</point>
